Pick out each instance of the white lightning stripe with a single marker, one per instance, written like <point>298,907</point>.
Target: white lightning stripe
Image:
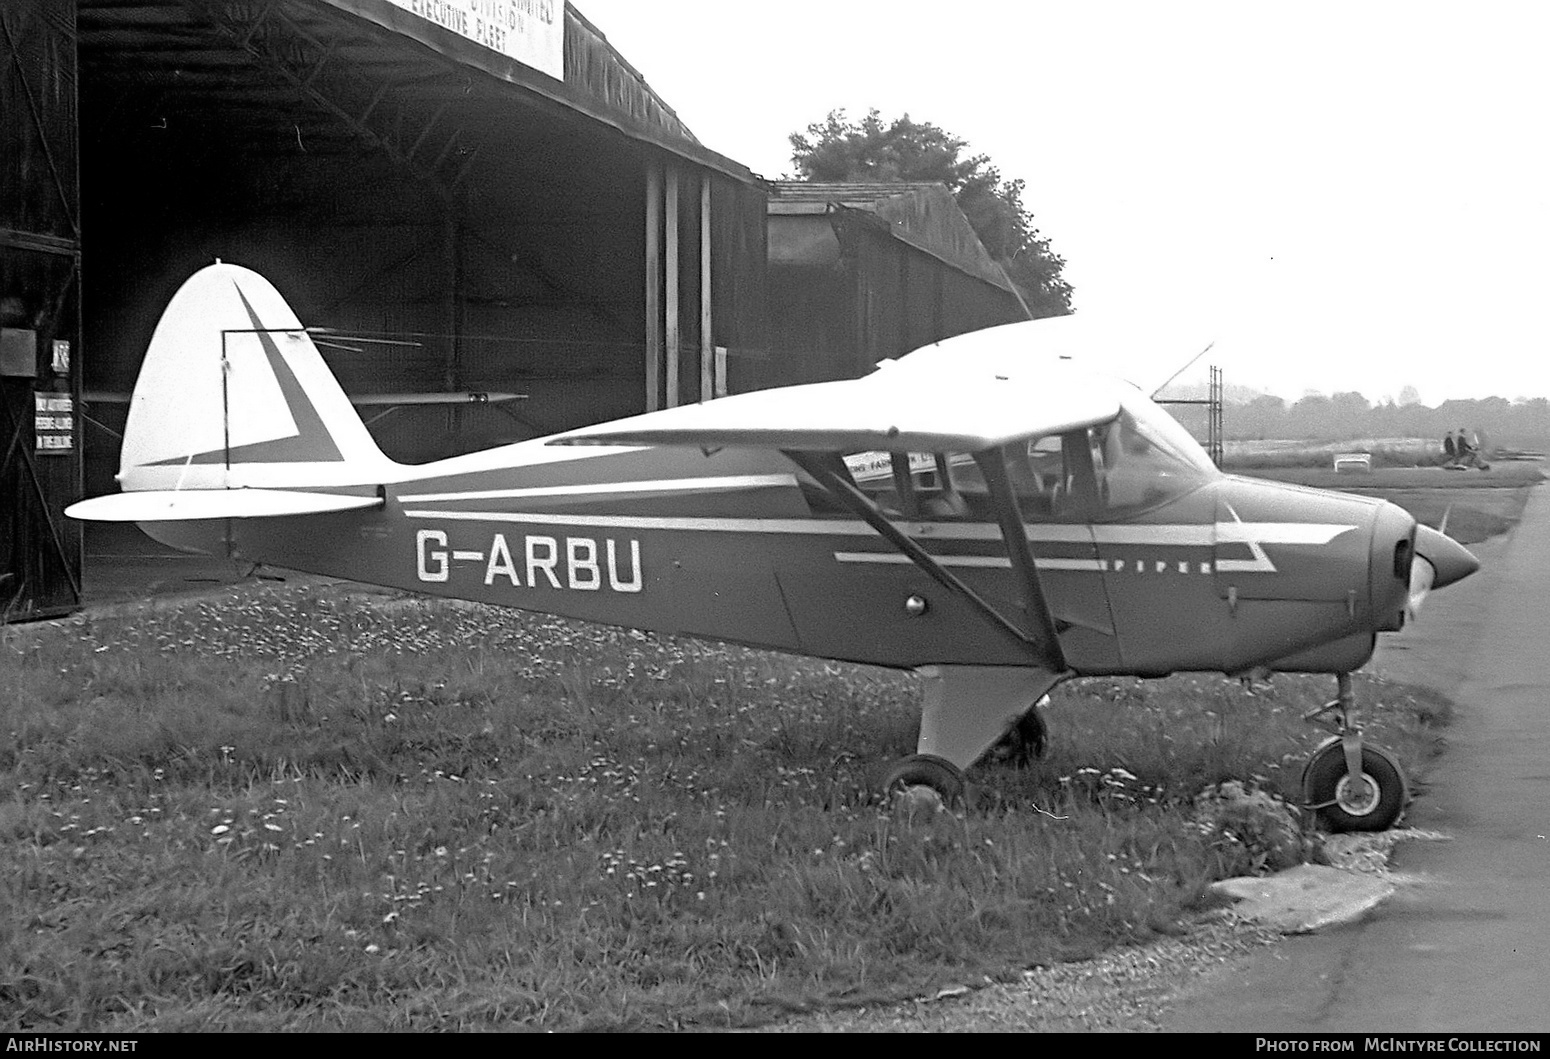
<point>663,485</point>
<point>789,526</point>
<point>1260,564</point>
<point>1057,563</point>
<point>1175,535</point>
<point>1278,532</point>
<point>900,559</point>
<point>1239,532</point>
<point>1198,535</point>
<point>973,561</point>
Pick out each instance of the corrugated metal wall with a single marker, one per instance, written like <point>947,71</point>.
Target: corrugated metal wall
<point>740,279</point>
<point>882,299</point>
<point>40,354</point>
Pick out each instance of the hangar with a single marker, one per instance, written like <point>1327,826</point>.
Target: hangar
<point>480,195</point>
<point>862,272</point>
<point>475,195</point>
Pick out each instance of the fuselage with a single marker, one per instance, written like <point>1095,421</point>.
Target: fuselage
<point>985,501</point>
<point>1192,570</point>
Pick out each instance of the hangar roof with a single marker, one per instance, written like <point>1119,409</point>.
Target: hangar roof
<point>799,197</point>
<point>348,71</point>
<point>923,214</point>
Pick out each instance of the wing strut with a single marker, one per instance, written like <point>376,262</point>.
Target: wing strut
<point>992,464</point>
<point>830,472</point>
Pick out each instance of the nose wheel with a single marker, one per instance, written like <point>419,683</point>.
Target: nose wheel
<point>1370,801</point>
<point>1347,784</point>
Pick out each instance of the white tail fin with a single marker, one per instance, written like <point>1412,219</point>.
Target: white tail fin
<point>233,394</point>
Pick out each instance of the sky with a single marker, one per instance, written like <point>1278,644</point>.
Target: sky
<point>1341,196</point>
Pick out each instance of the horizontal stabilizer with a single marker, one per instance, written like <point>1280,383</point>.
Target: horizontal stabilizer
<point>458,397</point>
<point>186,505</point>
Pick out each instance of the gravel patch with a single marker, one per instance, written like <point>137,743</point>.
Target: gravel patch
<point>1127,990</point>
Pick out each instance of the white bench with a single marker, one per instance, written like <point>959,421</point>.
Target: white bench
<point>1353,462</point>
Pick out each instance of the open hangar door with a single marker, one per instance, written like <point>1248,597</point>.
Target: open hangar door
<point>40,295</point>
<point>399,182</point>
<point>469,222</point>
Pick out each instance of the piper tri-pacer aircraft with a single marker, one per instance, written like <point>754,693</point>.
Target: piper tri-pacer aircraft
<point>986,511</point>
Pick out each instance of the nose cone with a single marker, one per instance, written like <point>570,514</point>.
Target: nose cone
<point>1450,559</point>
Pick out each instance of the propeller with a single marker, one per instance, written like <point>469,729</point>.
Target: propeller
<point>1422,574</point>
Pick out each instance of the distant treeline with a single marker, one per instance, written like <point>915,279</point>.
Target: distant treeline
<point>1524,423</point>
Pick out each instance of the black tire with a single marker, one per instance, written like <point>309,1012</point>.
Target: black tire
<point>1326,786</point>
<point>1024,742</point>
<point>928,770</point>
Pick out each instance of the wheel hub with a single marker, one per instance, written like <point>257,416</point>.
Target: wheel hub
<point>1358,798</point>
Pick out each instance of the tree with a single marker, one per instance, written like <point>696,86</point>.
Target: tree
<point>838,149</point>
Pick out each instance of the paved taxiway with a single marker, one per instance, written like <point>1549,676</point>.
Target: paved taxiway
<point>1464,943</point>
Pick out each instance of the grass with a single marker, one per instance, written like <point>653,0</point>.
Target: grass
<point>300,808</point>
<point>1249,456</point>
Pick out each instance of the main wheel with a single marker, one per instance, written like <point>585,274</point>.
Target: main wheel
<point>1341,805</point>
<point>929,771</point>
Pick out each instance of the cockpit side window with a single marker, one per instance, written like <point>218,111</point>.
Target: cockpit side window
<point>1141,459</point>
<point>925,486</point>
<point>1050,476</point>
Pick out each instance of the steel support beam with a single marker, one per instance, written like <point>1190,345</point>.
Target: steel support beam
<point>671,269</point>
<point>653,286</point>
<point>306,74</point>
<point>707,346</point>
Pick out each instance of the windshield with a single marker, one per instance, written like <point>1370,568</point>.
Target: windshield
<point>1145,457</point>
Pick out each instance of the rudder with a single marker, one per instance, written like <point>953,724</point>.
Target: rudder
<point>233,393</point>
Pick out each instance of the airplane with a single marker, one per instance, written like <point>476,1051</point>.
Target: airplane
<point>991,511</point>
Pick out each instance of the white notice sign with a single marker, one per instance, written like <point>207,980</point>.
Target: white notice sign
<point>54,424</point>
<point>529,31</point>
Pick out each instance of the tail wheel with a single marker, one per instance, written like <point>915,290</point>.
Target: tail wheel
<point>1341,805</point>
<point>929,771</point>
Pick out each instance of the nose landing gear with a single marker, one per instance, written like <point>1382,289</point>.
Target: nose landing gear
<point>1348,785</point>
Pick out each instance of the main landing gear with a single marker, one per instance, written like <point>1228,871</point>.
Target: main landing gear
<point>968,710</point>
<point>1021,744</point>
<point>921,773</point>
<point>1348,785</point>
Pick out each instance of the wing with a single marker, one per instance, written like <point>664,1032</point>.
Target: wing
<point>167,505</point>
<point>969,397</point>
<point>904,406</point>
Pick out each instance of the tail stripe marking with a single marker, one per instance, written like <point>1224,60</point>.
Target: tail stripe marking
<point>311,444</point>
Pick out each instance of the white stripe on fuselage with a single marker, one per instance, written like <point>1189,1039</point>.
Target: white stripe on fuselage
<point>990,562</point>
<point>622,489</point>
<point>1197,535</point>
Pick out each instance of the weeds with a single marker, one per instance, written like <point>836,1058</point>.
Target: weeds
<point>298,809</point>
